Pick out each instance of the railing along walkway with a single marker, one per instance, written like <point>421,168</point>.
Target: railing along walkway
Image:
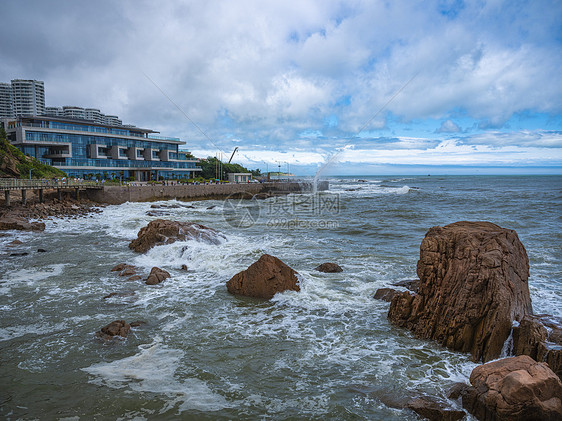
<point>30,184</point>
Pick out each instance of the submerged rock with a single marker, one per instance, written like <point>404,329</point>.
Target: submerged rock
<point>156,276</point>
<point>264,278</point>
<point>162,231</point>
<point>514,389</point>
<point>385,294</point>
<point>116,328</point>
<point>329,268</point>
<point>473,285</point>
<point>434,410</point>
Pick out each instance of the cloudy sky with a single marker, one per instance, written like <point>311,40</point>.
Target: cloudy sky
<point>372,87</point>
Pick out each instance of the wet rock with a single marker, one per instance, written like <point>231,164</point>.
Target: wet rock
<point>130,271</point>
<point>162,231</point>
<point>540,337</point>
<point>411,284</point>
<point>264,278</point>
<point>134,278</point>
<point>137,323</point>
<point>457,390</point>
<point>528,337</point>
<point>41,251</point>
<point>14,223</point>
<point>156,276</point>
<point>116,328</point>
<point>24,253</point>
<point>514,389</point>
<point>385,294</point>
<point>184,267</point>
<point>329,268</point>
<point>473,285</point>
<point>211,207</point>
<point>14,243</point>
<point>434,410</point>
<point>119,267</point>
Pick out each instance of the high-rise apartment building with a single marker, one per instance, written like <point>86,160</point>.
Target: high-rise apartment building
<point>6,109</point>
<point>28,97</point>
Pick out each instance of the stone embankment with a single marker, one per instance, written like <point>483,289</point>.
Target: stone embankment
<point>116,195</point>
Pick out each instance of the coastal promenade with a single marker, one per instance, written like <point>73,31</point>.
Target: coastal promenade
<point>115,194</point>
<point>39,185</point>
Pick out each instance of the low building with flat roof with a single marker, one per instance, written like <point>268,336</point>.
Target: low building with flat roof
<point>239,177</point>
<point>84,149</point>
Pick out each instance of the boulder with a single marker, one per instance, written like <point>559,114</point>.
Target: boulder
<point>433,410</point>
<point>156,276</point>
<point>385,294</point>
<point>473,285</point>
<point>540,337</point>
<point>15,223</point>
<point>264,278</point>
<point>162,231</point>
<point>329,268</point>
<point>514,389</point>
<point>116,328</point>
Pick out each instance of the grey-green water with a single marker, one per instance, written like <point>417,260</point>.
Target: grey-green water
<point>327,352</point>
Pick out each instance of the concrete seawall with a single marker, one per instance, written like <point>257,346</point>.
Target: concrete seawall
<point>116,195</point>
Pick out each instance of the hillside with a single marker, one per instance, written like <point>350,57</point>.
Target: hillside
<point>14,164</point>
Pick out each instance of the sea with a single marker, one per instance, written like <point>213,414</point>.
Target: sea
<point>326,352</point>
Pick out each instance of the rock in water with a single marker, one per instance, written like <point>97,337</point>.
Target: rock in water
<point>14,223</point>
<point>156,276</point>
<point>115,328</point>
<point>385,294</point>
<point>473,284</point>
<point>540,337</point>
<point>431,409</point>
<point>329,268</point>
<point>162,231</point>
<point>514,389</point>
<point>264,278</point>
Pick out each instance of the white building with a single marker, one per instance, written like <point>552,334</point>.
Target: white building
<point>239,177</point>
<point>28,97</point>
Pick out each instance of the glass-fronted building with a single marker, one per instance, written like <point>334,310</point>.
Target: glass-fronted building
<point>84,149</point>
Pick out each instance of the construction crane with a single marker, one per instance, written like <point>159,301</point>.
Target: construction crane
<point>233,152</point>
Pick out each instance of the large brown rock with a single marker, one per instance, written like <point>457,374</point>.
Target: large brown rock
<point>14,223</point>
<point>264,278</point>
<point>473,285</point>
<point>162,231</point>
<point>514,389</point>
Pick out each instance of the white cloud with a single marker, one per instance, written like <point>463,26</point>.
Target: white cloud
<point>264,72</point>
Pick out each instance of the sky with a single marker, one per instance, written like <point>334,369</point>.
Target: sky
<point>341,87</point>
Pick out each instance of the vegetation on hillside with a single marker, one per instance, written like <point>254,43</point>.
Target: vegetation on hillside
<point>13,163</point>
<point>211,167</point>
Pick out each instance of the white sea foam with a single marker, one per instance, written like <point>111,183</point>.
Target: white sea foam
<point>32,276</point>
<point>153,369</point>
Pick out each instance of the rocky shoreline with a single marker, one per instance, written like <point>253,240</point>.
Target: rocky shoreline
<point>29,217</point>
<point>472,296</point>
